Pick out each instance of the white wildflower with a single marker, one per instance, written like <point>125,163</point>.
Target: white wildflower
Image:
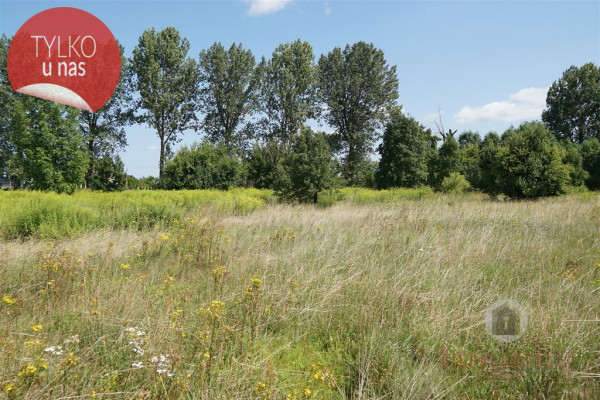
<point>54,350</point>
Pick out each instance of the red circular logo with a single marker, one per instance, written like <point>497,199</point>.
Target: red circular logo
<point>65,55</point>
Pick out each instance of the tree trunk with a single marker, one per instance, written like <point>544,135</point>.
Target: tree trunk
<point>161,161</point>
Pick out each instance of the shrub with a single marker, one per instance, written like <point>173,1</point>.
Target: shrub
<point>530,162</point>
<point>590,154</point>
<point>204,166</point>
<point>307,169</point>
<point>454,183</point>
<point>404,153</point>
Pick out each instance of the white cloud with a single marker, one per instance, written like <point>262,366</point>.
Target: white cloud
<point>327,8</point>
<point>153,148</point>
<point>262,7</point>
<point>525,104</point>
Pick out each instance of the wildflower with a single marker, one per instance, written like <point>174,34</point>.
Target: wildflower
<point>307,392</point>
<point>137,349</point>
<point>137,365</point>
<point>162,365</point>
<point>8,387</point>
<point>37,328</point>
<point>72,339</point>
<point>252,292</point>
<point>260,386</point>
<point>54,350</point>
<point>32,342</point>
<point>125,266</point>
<point>9,300</point>
<point>28,371</point>
<point>71,360</point>
<point>219,272</point>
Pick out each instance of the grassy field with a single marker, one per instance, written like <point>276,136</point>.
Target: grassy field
<point>228,295</point>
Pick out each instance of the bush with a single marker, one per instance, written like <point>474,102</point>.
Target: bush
<point>307,169</point>
<point>404,153</point>
<point>590,154</point>
<point>204,166</point>
<point>108,174</point>
<point>454,183</point>
<point>530,163</point>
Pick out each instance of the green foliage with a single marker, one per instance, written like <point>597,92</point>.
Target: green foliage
<point>590,154</point>
<point>573,159</point>
<point>469,162</point>
<point>203,166</point>
<point>51,215</point>
<point>447,161</point>
<point>366,196</point>
<point>228,94</point>
<point>404,153</point>
<point>489,179</point>
<point>145,183</point>
<point>103,131</point>
<point>365,176</point>
<point>573,104</point>
<point>530,162</point>
<point>455,183</point>
<point>288,90</point>
<point>49,149</point>
<point>108,174</point>
<point>166,81</point>
<point>359,88</point>
<point>307,169</point>
<point>262,163</point>
<point>468,139</point>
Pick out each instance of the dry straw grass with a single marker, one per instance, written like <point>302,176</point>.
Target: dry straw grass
<point>352,301</point>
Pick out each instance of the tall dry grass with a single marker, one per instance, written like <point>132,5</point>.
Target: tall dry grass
<point>380,300</point>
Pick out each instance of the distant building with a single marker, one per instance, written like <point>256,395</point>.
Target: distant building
<point>5,183</point>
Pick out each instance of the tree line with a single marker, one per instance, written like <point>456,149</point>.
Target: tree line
<point>255,117</point>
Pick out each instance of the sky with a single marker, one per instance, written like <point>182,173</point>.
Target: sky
<point>482,65</point>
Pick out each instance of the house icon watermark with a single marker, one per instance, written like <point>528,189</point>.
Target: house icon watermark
<point>506,320</point>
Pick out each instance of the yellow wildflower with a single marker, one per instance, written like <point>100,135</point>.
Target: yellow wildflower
<point>9,300</point>
<point>37,328</point>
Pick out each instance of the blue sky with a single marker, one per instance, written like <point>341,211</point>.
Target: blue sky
<point>485,64</point>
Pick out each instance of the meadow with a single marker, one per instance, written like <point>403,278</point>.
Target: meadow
<point>230,295</point>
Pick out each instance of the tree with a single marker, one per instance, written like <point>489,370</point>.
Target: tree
<point>228,94</point>
<point>530,162</point>
<point>48,146</point>
<point>108,175</point>
<point>404,153</point>
<point>359,89</point>
<point>573,104</point>
<point>203,166</point>
<point>590,154</point>
<point>7,100</point>
<point>288,90</point>
<point>573,159</point>
<point>468,139</point>
<point>103,130</point>
<point>447,161</point>
<point>468,156</point>
<point>307,168</point>
<point>262,163</point>
<point>489,179</point>
<point>166,80</point>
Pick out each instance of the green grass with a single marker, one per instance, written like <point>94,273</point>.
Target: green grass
<point>359,300</point>
<point>51,215</point>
